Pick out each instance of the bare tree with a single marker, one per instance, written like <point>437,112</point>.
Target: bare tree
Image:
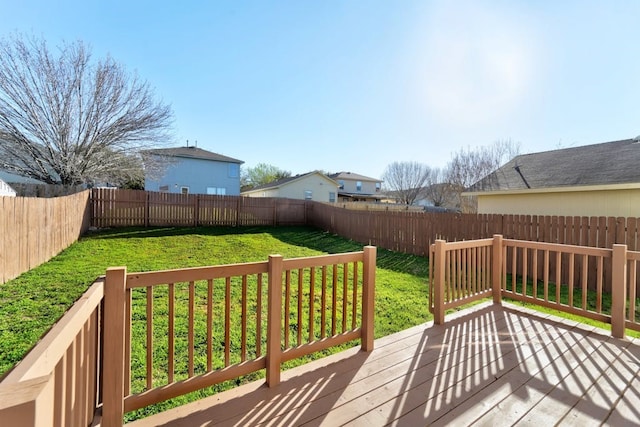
<point>406,179</point>
<point>67,120</point>
<point>439,191</point>
<point>468,166</point>
<point>262,173</point>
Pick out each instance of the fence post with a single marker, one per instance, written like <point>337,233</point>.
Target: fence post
<point>496,269</point>
<point>196,211</point>
<point>274,320</point>
<point>618,290</point>
<point>368,297</point>
<point>439,265</point>
<point>113,362</point>
<point>146,209</point>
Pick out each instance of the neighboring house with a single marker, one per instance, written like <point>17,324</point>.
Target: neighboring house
<point>309,186</point>
<point>593,180</point>
<point>357,188</point>
<point>6,190</point>
<point>191,170</point>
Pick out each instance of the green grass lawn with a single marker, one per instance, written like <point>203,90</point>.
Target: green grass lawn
<point>31,303</point>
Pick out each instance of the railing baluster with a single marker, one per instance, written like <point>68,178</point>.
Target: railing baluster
<point>312,284</point>
<point>323,304</point>
<point>571,278</point>
<point>192,297</point>
<point>259,317</point>
<point>546,275</point>
<point>243,345</point>
<point>287,307</point>
<point>354,299</point>
<point>209,324</point>
<point>633,265</point>
<point>334,299</point>
<point>227,322</point>
<point>558,275</point>
<point>127,342</point>
<point>300,278</point>
<point>585,266</point>
<point>149,338</point>
<point>534,267</point>
<point>171,333</point>
<point>345,295</point>
<point>600,273</point>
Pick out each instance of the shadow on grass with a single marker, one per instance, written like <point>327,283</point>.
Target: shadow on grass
<point>308,237</point>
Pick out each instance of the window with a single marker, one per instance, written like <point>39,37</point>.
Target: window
<point>308,194</point>
<point>377,187</point>
<point>332,196</point>
<point>218,191</point>
<point>358,185</point>
<point>184,190</point>
<point>341,183</point>
<point>163,188</point>
<point>234,170</point>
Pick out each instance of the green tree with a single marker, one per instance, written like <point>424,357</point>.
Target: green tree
<point>260,174</point>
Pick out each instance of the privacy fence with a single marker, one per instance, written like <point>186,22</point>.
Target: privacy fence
<point>33,230</point>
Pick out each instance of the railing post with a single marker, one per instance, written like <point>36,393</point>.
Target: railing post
<point>274,320</point>
<point>618,290</point>
<point>113,363</point>
<point>496,269</point>
<point>438,282</point>
<point>368,297</point>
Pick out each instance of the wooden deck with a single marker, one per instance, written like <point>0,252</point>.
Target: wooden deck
<point>491,365</point>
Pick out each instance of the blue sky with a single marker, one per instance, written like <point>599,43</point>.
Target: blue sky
<point>356,85</point>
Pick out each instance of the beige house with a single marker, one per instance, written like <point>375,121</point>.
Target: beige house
<point>357,188</point>
<point>309,186</point>
<point>593,180</point>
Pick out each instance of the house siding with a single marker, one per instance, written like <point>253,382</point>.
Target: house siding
<point>197,175</point>
<point>615,203</point>
<point>320,188</point>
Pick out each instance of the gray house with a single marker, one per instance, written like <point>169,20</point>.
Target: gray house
<point>191,170</point>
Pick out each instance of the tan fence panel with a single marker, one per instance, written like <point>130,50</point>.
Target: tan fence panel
<point>32,230</point>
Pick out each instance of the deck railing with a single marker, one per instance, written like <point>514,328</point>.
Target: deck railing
<point>201,326</point>
<point>58,382</point>
<point>550,275</point>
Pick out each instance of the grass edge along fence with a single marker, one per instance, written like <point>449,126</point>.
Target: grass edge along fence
<point>68,375</point>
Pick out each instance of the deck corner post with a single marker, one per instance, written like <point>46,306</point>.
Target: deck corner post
<point>368,297</point>
<point>274,320</point>
<point>496,269</point>
<point>114,359</point>
<point>618,290</point>
<point>439,278</point>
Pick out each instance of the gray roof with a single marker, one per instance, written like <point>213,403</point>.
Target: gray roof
<point>352,176</point>
<point>193,153</point>
<point>616,162</point>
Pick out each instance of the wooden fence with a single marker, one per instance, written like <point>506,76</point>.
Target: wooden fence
<point>462,272</point>
<point>414,232</point>
<point>32,230</point>
<point>122,208</point>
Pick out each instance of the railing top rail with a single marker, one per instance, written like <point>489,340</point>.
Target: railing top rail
<point>464,244</point>
<point>152,278</point>
<point>321,260</point>
<point>633,256</point>
<point>580,250</point>
<point>43,358</point>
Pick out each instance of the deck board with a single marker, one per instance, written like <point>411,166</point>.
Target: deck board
<point>489,365</point>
